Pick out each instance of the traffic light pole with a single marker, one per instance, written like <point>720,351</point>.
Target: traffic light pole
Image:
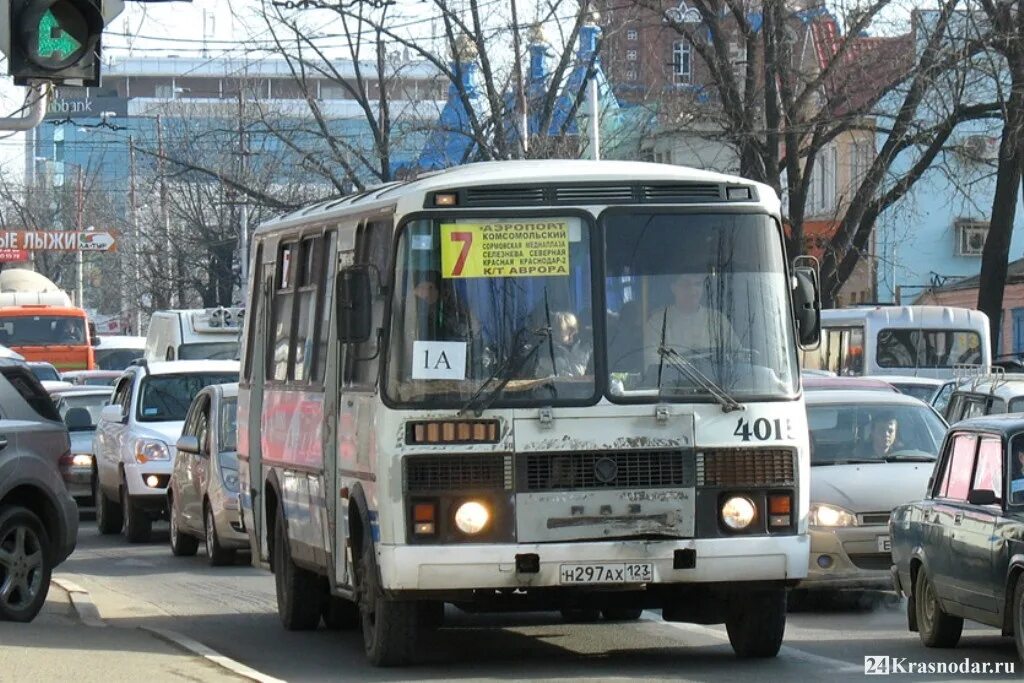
<point>35,102</point>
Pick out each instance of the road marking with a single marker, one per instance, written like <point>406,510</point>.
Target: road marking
<point>837,665</point>
<point>81,602</point>
<point>211,655</point>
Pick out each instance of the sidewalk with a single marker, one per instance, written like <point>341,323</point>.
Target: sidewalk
<point>58,646</point>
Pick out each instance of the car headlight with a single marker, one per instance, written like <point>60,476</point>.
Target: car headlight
<point>823,514</point>
<point>230,478</point>
<point>738,512</point>
<point>147,450</point>
<point>81,460</point>
<point>471,517</point>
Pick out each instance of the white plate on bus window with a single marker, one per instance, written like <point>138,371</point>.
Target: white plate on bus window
<point>606,572</point>
<point>884,544</point>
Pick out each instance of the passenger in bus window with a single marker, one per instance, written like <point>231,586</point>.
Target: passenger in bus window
<point>439,317</point>
<point>1017,473</point>
<point>687,324</point>
<point>572,352</point>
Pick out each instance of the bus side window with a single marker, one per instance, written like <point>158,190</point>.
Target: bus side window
<point>373,246</point>
<point>281,311</point>
<point>310,276</point>
<point>325,319</point>
<point>256,290</point>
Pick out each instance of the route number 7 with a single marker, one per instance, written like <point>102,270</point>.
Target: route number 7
<point>467,241</point>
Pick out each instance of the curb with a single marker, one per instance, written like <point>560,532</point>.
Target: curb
<point>83,604</point>
<point>198,649</point>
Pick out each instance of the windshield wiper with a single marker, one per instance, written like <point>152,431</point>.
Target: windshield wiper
<point>504,373</point>
<point>909,458</point>
<point>849,461</point>
<point>677,361</point>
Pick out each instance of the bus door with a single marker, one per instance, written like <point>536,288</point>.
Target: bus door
<point>258,354</point>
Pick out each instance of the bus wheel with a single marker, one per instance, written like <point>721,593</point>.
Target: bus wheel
<point>390,627</point>
<point>757,622</point>
<point>299,592</point>
<point>340,614</point>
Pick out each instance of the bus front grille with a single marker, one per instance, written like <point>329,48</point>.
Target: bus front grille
<point>746,467</point>
<point>605,470</point>
<point>437,473</point>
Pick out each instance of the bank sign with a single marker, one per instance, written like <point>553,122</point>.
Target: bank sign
<point>86,107</point>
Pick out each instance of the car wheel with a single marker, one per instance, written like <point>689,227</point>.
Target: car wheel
<point>25,564</point>
<point>182,545</point>
<point>300,594</point>
<point>340,614</point>
<point>216,554</point>
<point>137,525</point>
<point>108,513</point>
<point>622,613</point>
<point>936,628</point>
<point>1018,616</point>
<point>390,627</point>
<point>756,623</point>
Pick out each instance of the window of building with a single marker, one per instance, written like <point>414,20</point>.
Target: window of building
<point>821,194</point>
<point>164,90</point>
<point>632,35</point>
<point>631,75</point>
<point>682,64</point>
<point>631,55</point>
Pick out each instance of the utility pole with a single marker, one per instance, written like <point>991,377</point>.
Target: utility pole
<point>80,226</point>
<point>136,240</point>
<point>595,125</point>
<point>243,228</point>
<point>165,218</point>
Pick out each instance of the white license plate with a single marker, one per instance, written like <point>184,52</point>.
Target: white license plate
<point>884,544</point>
<point>610,572</point>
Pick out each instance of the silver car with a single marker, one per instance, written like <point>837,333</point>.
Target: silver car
<point>870,452</point>
<point>80,409</point>
<point>202,496</point>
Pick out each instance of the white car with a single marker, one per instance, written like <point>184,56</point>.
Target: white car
<point>136,436</point>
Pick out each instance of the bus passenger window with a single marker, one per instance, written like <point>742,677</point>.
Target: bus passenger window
<point>281,309</point>
<point>373,245</point>
<point>309,275</point>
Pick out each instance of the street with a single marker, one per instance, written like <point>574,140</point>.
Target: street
<point>233,611</point>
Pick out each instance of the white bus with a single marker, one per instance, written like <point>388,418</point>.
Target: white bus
<point>922,341</point>
<point>562,385</point>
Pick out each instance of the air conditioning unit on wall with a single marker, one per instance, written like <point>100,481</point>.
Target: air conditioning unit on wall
<point>970,238</point>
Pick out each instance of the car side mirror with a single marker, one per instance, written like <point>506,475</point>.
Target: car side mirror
<point>807,306</point>
<point>982,497</point>
<point>353,304</point>
<point>188,443</point>
<point>112,413</point>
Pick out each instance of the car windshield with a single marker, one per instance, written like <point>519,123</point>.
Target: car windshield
<point>29,330</point>
<point>876,432</point>
<point>493,304</point>
<point>92,404</point>
<point>711,287</point>
<point>166,398</point>
<point>116,359</point>
<point>922,392</point>
<point>209,351</point>
<point>45,373</point>
<point>228,424</point>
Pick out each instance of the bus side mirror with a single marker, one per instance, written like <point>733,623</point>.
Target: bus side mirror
<point>353,304</point>
<point>807,306</point>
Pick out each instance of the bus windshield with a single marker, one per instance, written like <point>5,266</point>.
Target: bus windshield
<point>696,294</point>
<point>483,303</point>
<point>40,330</point>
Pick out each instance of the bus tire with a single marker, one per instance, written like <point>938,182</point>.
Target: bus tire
<point>340,614</point>
<point>299,592</point>
<point>757,622</point>
<point>108,513</point>
<point>935,627</point>
<point>390,627</point>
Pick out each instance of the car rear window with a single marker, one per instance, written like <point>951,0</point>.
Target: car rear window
<point>26,384</point>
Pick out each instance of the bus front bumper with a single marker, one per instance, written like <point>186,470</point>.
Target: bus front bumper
<point>473,566</point>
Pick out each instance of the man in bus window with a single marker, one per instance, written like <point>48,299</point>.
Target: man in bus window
<point>686,324</point>
<point>572,352</point>
<point>881,437</point>
<point>439,317</point>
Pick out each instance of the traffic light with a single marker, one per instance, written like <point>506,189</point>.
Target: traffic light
<point>57,40</point>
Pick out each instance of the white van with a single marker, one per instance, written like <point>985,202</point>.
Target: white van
<point>198,334</point>
<point>922,341</point>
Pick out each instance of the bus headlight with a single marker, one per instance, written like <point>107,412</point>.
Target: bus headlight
<point>738,512</point>
<point>472,517</point>
<point>823,514</point>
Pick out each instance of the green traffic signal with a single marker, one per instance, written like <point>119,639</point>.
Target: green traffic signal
<point>54,40</point>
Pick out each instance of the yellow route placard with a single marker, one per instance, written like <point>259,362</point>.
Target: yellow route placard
<point>521,248</point>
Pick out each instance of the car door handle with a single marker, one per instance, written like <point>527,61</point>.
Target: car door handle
<point>958,518</point>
